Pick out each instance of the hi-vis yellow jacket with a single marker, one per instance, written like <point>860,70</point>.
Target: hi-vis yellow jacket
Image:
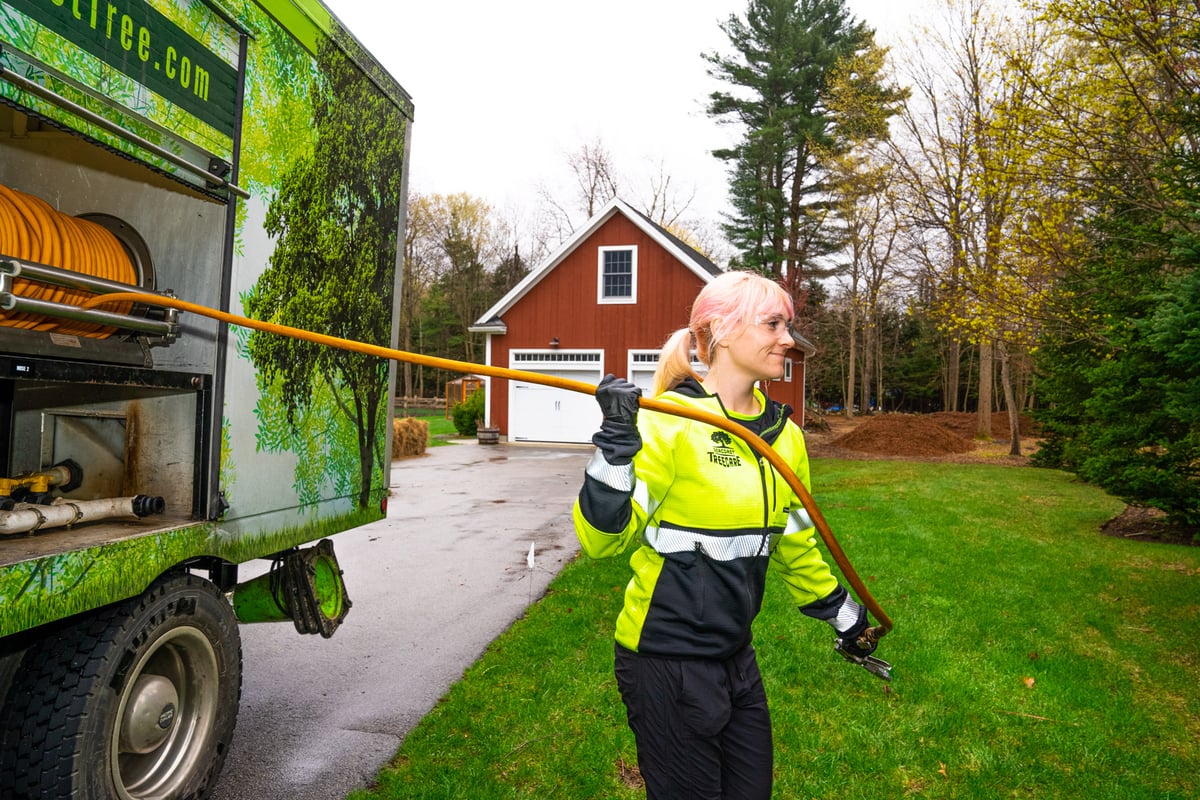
<point>711,518</point>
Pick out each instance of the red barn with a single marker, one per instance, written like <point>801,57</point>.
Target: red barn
<point>605,301</point>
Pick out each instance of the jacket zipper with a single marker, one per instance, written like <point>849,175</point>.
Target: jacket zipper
<point>766,523</point>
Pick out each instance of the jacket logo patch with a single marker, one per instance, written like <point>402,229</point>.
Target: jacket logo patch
<point>722,454</point>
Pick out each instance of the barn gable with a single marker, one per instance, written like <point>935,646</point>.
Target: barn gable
<point>492,320</point>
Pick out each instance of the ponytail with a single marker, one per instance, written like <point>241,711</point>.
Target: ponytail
<point>674,362</point>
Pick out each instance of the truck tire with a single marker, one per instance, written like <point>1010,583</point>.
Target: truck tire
<point>134,701</point>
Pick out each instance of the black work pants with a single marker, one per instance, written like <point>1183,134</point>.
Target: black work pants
<point>702,727</point>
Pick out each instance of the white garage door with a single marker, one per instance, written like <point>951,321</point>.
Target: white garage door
<point>642,364</point>
<point>539,413</point>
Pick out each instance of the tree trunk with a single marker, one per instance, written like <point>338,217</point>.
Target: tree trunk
<point>421,372</point>
<point>879,370</point>
<point>367,421</point>
<point>868,351</point>
<point>951,377</point>
<point>983,427</point>
<point>848,405</point>
<point>1010,401</point>
<point>408,368</point>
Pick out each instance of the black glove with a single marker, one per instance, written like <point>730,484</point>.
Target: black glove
<point>618,437</point>
<point>846,617</point>
<point>861,645</point>
<point>856,639</point>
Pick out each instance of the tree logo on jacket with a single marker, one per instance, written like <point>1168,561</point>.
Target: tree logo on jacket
<point>722,452</point>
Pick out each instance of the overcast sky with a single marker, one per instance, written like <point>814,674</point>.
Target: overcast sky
<point>504,92</point>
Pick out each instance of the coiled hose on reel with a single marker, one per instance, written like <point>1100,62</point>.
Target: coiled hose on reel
<point>31,230</point>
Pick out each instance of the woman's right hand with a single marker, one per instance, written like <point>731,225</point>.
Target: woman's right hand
<point>618,399</point>
<point>618,437</point>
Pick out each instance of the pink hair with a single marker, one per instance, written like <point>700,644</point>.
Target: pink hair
<point>724,307</point>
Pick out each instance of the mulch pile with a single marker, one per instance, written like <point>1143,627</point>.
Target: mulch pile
<point>1150,525</point>
<point>964,423</point>
<point>903,435</point>
<point>945,434</point>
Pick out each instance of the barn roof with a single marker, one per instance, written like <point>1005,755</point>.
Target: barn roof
<point>491,322</point>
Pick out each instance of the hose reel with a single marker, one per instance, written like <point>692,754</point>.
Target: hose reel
<point>51,263</point>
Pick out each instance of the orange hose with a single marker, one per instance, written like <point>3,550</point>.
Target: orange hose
<point>14,241</point>
<point>32,230</point>
<point>110,261</point>
<point>30,249</point>
<point>755,442</point>
<point>66,257</point>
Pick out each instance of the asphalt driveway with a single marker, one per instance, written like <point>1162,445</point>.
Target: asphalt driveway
<point>432,585</point>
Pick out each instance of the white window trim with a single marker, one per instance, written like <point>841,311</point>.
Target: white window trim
<point>600,298</point>
<point>542,358</point>
<point>650,361</point>
<point>787,370</point>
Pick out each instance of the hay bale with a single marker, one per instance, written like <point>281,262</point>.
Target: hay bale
<point>409,436</point>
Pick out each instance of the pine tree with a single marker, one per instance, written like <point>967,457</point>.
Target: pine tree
<point>785,55</point>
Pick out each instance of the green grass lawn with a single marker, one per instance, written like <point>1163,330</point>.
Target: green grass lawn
<point>1033,658</point>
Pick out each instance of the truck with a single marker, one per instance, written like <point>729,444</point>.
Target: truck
<point>249,156</point>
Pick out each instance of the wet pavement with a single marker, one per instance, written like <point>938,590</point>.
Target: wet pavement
<point>431,585</point>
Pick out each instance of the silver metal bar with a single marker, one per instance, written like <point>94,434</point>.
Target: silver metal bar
<point>63,277</point>
<point>12,302</point>
<point>46,94</point>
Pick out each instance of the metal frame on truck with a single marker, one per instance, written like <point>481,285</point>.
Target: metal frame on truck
<point>249,156</point>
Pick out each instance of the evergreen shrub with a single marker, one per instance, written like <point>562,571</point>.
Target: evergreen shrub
<point>468,413</point>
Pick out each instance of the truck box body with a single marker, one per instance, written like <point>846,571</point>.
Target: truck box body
<point>244,155</point>
<point>230,89</point>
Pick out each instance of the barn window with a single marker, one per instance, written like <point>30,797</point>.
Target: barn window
<point>618,275</point>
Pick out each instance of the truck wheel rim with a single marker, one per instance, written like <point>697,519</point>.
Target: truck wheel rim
<point>177,676</point>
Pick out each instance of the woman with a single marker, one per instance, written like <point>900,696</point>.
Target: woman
<point>710,516</point>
